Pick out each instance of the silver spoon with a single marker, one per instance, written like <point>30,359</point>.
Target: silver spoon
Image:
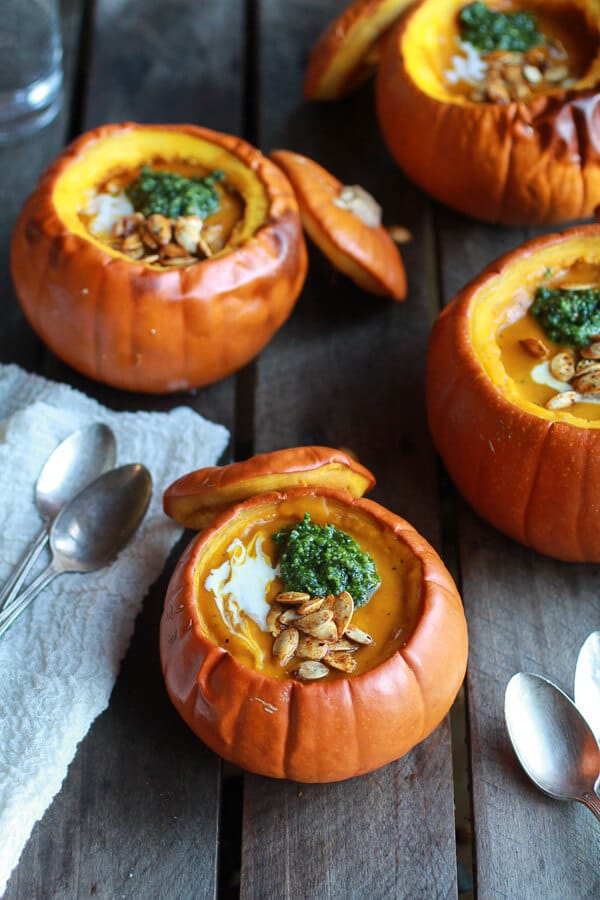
<point>77,461</point>
<point>91,530</point>
<point>552,740</point>
<point>587,682</point>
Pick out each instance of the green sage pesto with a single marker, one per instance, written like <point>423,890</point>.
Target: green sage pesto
<point>321,560</point>
<point>174,195</point>
<point>566,316</point>
<point>489,30</point>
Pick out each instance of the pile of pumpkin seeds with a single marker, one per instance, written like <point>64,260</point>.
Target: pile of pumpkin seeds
<point>173,243</point>
<point>511,75</point>
<point>316,632</point>
<point>579,369</point>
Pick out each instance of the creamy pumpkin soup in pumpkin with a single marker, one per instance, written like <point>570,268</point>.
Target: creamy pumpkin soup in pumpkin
<point>166,212</point>
<point>310,590</point>
<point>307,632</point>
<point>549,341</point>
<point>500,99</point>
<point>158,258</point>
<point>504,51</point>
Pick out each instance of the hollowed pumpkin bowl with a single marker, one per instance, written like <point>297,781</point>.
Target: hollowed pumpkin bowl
<point>532,161</point>
<point>532,472</point>
<point>137,325</point>
<point>255,713</point>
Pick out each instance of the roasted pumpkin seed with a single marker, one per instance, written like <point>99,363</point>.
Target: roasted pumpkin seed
<point>325,632</point>
<point>353,633</point>
<point>562,366</point>
<point>132,246</point>
<point>562,400</point>
<point>535,347</point>
<point>292,598</point>
<point>345,662</point>
<point>273,622</point>
<point>343,645</point>
<point>343,610</point>
<point>288,616</point>
<point>187,232</point>
<point>311,648</point>
<point>310,670</point>
<point>285,644</point>
<point>314,620</point>
<point>588,383</point>
<point>310,606</point>
<point>586,365</point>
<point>592,351</point>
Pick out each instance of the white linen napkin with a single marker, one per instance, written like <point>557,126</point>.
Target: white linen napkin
<point>59,661</point>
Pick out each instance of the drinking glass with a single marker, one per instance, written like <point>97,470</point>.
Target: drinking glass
<point>30,66</point>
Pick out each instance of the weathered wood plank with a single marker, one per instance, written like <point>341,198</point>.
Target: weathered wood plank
<point>525,613</point>
<point>349,371</point>
<point>138,814</point>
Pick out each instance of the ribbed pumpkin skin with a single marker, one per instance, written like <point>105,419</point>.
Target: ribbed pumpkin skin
<point>133,327</point>
<point>318,732</point>
<point>534,479</point>
<point>533,162</point>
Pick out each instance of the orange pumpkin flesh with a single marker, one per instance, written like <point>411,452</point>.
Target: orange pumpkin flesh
<point>364,252</point>
<point>530,471</point>
<point>535,161</point>
<point>197,498</point>
<point>320,731</point>
<point>349,49</point>
<point>138,326</point>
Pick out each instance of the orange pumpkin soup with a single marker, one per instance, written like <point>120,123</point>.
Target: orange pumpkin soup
<point>237,583</point>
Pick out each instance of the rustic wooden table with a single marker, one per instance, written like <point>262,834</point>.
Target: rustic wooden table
<point>146,810</point>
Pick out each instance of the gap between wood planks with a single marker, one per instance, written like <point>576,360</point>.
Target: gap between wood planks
<point>232,789</point>
<point>81,70</point>
<point>243,444</point>
<point>463,809</point>
<point>459,724</point>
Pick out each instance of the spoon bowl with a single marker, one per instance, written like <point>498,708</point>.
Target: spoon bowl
<point>76,462</point>
<point>552,740</point>
<point>91,530</point>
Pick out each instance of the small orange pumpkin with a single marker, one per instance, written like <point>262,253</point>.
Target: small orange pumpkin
<point>134,324</point>
<point>532,161</point>
<point>533,472</point>
<point>345,223</point>
<point>256,714</point>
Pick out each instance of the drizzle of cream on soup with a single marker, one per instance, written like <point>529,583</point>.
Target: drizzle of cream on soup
<point>240,584</point>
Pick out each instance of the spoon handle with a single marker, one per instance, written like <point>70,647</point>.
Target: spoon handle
<point>9,615</point>
<point>11,587</point>
<point>592,802</point>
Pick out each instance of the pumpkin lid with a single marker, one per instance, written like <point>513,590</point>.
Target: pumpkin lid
<point>197,498</point>
<point>344,221</point>
<point>348,51</point>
